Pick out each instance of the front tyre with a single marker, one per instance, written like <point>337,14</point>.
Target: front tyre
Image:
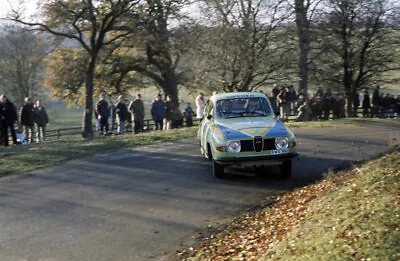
<point>218,169</point>
<point>286,169</point>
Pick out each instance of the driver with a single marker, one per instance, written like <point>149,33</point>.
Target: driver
<point>252,107</point>
<point>227,106</point>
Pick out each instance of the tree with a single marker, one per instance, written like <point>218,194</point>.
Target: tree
<point>241,46</point>
<point>94,24</point>
<point>357,45</point>
<point>65,75</point>
<point>21,63</point>
<point>304,11</point>
<point>153,51</point>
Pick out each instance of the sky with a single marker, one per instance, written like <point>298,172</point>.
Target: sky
<point>6,5</point>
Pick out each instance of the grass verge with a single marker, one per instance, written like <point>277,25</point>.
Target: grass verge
<point>351,215</point>
<point>16,159</point>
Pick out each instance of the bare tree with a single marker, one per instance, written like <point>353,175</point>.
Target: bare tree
<point>21,63</point>
<point>93,24</point>
<point>304,12</point>
<point>240,48</point>
<point>357,44</point>
<point>154,51</point>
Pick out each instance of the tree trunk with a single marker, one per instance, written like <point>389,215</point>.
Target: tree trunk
<point>88,113</point>
<point>304,44</point>
<point>171,86</point>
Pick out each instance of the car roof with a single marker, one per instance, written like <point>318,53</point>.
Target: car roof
<point>233,95</point>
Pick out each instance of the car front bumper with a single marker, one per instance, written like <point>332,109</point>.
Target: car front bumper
<point>256,160</point>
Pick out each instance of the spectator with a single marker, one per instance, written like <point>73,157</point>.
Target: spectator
<point>158,112</point>
<point>274,103</point>
<point>111,118</point>
<point>376,96</point>
<point>200,105</point>
<point>189,115</point>
<point>136,108</point>
<point>356,104</point>
<point>397,101</point>
<point>41,119</point>
<point>284,103</point>
<point>103,112</point>
<point>26,118</point>
<point>121,112</point>
<point>304,112</point>
<point>2,118</point>
<point>292,100</point>
<point>178,118</point>
<point>169,113</point>
<point>366,104</point>
<point>8,119</point>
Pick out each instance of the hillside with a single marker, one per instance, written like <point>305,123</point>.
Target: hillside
<point>351,215</point>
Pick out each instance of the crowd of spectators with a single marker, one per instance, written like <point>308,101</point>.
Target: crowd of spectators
<point>119,118</point>
<point>324,105</point>
<point>32,118</point>
<point>285,102</point>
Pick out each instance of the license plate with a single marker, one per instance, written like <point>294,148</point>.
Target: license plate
<point>281,151</point>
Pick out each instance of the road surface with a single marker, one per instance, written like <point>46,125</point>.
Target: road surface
<point>145,203</point>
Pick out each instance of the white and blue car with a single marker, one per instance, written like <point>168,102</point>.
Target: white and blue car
<point>240,129</point>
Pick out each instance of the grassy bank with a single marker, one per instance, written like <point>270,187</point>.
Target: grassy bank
<point>358,219</point>
<point>351,215</point>
<point>15,159</point>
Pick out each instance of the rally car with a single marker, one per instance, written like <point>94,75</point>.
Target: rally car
<point>241,129</point>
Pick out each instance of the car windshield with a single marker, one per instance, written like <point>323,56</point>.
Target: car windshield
<point>243,107</point>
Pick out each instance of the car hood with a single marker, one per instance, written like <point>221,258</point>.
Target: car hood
<point>245,127</point>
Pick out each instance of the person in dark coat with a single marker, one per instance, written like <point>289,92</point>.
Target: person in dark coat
<point>103,112</point>
<point>8,115</point>
<point>41,119</point>
<point>136,108</point>
<point>366,105</point>
<point>356,104</point>
<point>26,118</point>
<point>189,113</point>
<point>121,110</point>
<point>158,112</point>
<point>397,101</point>
<point>2,125</point>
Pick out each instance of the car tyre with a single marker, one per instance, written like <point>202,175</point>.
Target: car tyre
<point>218,169</point>
<point>286,169</point>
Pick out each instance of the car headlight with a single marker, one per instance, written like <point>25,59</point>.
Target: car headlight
<point>233,146</point>
<point>281,142</point>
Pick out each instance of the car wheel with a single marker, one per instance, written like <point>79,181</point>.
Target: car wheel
<point>218,169</point>
<point>286,169</point>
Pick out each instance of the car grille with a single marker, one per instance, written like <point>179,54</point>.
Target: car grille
<point>256,145</point>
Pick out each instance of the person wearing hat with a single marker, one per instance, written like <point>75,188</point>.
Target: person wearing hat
<point>121,110</point>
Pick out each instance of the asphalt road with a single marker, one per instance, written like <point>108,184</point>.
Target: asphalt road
<point>145,203</point>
